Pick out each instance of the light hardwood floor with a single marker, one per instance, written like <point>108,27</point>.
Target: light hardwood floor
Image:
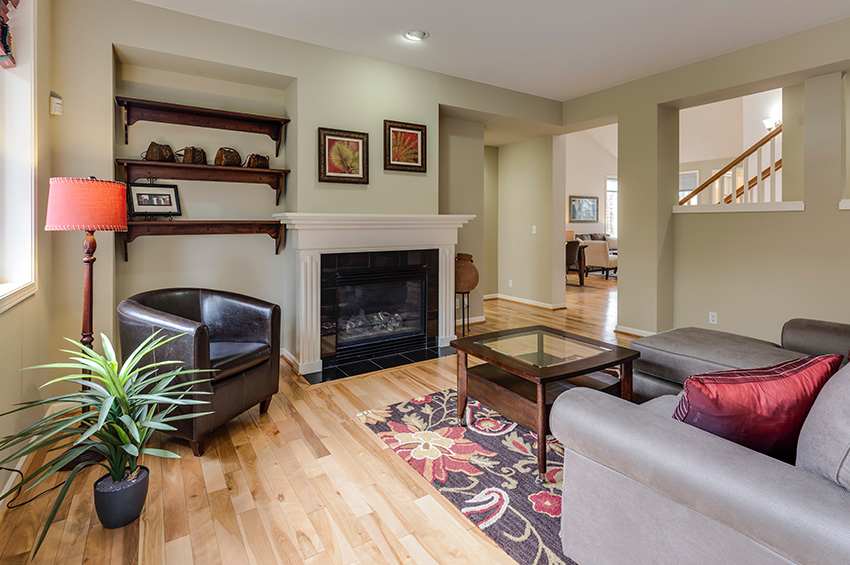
<point>305,483</point>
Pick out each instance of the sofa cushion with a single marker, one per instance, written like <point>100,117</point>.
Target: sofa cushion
<point>677,354</point>
<point>763,409</point>
<point>612,242</point>
<point>824,446</point>
<point>230,357</point>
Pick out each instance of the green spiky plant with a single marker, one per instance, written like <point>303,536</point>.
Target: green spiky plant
<point>115,414</point>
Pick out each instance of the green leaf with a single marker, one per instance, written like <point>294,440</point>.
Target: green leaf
<point>160,453</point>
<point>131,426</point>
<point>158,426</point>
<point>131,449</point>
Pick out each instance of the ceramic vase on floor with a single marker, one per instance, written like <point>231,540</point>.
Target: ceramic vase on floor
<point>466,274</point>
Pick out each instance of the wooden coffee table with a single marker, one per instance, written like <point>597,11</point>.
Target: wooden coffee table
<point>527,368</point>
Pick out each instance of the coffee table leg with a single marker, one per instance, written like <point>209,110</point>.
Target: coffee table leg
<point>626,381</point>
<point>461,387</point>
<point>541,432</point>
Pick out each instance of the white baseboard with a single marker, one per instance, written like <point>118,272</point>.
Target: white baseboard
<point>475,320</point>
<point>633,331</point>
<point>21,464</point>
<point>491,296</point>
<point>301,368</point>
<point>527,302</point>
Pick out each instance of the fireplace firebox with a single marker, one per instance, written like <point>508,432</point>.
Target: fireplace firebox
<point>376,304</point>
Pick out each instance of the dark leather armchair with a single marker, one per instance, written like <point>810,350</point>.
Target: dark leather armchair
<point>236,336</point>
<point>574,256</point>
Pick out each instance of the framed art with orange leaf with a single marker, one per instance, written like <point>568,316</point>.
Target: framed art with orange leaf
<point>404,147</point>
<point>343,156</point>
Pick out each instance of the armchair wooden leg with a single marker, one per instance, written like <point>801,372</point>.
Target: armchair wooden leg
<point>198,446</point>
<point>264,405</point>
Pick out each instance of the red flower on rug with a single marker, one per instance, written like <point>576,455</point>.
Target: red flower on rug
<point>546,503</point>
<point>492,426</point>
<point>420,400</point>
<point>434,453</point>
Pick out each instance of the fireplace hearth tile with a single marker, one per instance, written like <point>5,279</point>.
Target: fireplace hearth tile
<point>391,361</point>
<point>358,368</point>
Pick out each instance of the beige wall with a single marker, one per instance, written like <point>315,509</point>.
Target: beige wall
<point>525,200</point>
<point>25,328</point>
<point>648,282</point>
<point>331,89</point>
<point>490,273</point>
<point>758,270</point>
<point>462,192</point>
<point>587,166</point>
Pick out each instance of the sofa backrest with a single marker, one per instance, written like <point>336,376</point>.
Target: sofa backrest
<point>824,441</point>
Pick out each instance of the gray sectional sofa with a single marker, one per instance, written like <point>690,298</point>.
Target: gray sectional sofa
<point>668,358</point>
<point>641,487</point>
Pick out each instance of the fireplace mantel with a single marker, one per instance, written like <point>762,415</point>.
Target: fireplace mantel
<point>310,235</point>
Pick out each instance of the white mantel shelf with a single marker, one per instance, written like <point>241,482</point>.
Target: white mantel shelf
<point>295,220</point>
<point>311,235</point>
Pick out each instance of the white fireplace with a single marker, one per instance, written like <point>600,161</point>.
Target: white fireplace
<point>308,236</point>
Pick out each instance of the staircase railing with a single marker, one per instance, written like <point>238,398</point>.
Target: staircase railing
<point>765,148</point>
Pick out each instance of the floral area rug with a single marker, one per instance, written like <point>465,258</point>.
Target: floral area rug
<point>486,470</point>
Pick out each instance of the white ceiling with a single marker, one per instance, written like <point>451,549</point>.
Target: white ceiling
<point>553,48</point>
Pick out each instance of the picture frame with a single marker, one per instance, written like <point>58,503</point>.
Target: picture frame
<point>405,147</point>
<point>584,209</point>
<point>343,156</point>
<point>153,199</point>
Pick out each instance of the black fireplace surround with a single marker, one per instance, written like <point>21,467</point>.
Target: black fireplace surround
<point>375,305</point>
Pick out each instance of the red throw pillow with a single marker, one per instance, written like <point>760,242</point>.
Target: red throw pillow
<point>762,409</point>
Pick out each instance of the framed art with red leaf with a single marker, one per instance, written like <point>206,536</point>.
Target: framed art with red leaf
<point>343,156</point>
<point>404,147</point>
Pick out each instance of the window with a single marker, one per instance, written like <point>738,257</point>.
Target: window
<point>17,165</point>
<point>688,182</point>
<point>611,206</point>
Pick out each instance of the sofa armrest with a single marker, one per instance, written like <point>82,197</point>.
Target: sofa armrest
<point>796,513</point>
<point>236,317</point>
<point>816,337</point>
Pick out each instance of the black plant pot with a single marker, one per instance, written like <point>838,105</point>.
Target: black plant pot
<point>120,503</point>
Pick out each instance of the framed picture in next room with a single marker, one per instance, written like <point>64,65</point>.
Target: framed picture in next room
<point>153,200</point>
<point>343,156</point>
<point>404,147</point>
<point>584,209</point>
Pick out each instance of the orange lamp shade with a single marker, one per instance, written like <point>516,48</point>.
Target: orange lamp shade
<point>86,205</point>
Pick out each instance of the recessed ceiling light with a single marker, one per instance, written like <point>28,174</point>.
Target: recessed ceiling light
<point>416,35</point>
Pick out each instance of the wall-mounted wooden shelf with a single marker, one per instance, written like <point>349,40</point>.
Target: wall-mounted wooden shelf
<point>136,110</point>
<point>272,228</point>
<point>135,169</point>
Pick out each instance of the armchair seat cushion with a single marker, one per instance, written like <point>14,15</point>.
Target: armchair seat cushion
<point>231,357</point>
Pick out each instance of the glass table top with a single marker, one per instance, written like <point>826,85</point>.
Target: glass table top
<point>541,348</point>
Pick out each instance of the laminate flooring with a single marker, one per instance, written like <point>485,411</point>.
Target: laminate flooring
<point>305,483</point>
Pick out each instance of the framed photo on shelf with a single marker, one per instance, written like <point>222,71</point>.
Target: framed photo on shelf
<point>584,209</point>
<point>153,199</point>
<point>343,156</point>
<point>404,147</point>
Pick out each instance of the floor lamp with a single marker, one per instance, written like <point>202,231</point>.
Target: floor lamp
<point>86,205</point>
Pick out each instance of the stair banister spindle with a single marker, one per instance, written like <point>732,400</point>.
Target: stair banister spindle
<point>746,196</point>
<point>773,184</point>
<point>760,182</point>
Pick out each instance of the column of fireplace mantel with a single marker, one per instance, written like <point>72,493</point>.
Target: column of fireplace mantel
<point>311,235</point>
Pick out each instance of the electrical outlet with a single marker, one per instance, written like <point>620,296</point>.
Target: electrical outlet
<point>533,230</point>
<point>510,283</point>
<point>712,317</point>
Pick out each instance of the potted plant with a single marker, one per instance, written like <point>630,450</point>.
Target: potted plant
<point>115,414</point>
